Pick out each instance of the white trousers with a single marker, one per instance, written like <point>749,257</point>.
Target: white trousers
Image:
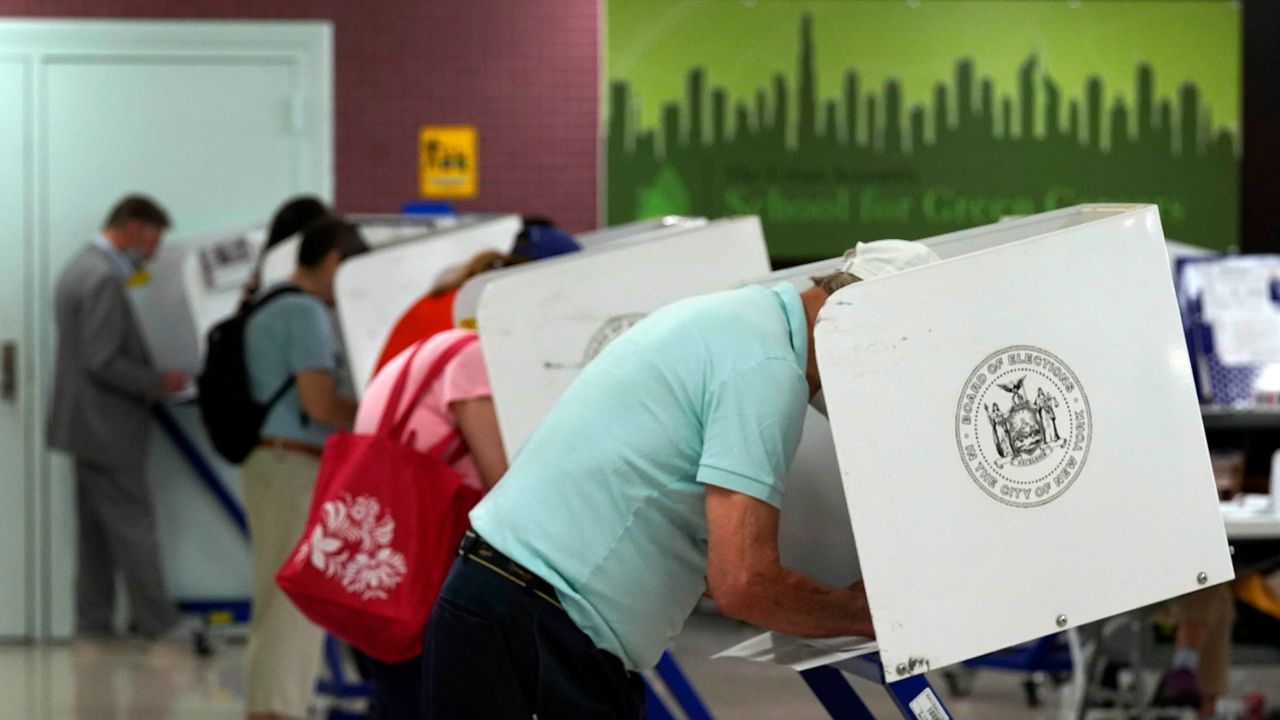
<point>285,648</point>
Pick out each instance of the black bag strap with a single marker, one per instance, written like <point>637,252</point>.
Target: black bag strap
<point>254,306</point>
<point>278,396</point>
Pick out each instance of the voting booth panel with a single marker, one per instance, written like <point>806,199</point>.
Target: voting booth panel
<point>605,235</point>
<point>814,535</point>
<point>374,290</point>
<point>539,327</point>
<point>378,231</point>
<point>383,230</point>
<point>1018,436</point>
<point>194,282</point>
<point>468,298</point>
<point>949,245</point>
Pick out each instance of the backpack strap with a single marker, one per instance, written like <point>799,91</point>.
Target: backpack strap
<point>396,428</point>
<point>253,306</point>
<point>279,395</point>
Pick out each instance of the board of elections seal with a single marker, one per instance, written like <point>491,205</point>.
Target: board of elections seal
<point>611,330</point>
<point>1023,426</point>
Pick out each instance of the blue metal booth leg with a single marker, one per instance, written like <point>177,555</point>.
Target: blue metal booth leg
<point>681,689</point>
<point>654,708</point>
<point>913,696</point>
<point>836,694</point>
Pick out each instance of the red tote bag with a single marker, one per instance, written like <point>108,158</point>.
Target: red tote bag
<point>383,530</point>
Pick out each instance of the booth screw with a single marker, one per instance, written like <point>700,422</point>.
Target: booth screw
<point>902,669</point>
<point>1062,621</point>
<point>1202,578</point>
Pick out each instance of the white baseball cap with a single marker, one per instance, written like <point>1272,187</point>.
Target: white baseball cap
<point>879,258</point>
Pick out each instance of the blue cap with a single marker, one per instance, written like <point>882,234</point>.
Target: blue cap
<point>544,241</point>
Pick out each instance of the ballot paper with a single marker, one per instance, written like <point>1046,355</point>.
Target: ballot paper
<point>799,653</point>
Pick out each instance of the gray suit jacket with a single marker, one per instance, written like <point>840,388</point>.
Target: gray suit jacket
<point>105,384</point>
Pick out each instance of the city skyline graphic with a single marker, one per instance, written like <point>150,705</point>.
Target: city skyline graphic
<point>824,171</point>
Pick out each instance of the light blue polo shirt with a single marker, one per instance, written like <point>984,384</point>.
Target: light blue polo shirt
<point>606,499</point>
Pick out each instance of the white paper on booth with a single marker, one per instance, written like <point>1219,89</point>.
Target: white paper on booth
<point>1239,285</point>
<point>799,654</point>
<point>1247,337</point>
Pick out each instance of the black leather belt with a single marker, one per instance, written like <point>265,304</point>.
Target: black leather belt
<point>474,548</point>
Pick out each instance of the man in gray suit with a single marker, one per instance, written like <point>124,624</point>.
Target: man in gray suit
<point>103,391</point>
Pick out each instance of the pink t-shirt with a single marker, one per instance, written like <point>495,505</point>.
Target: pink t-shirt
<point>464,378</point>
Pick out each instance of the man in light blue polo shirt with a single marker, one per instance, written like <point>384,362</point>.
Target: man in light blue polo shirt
<point>656,478</point>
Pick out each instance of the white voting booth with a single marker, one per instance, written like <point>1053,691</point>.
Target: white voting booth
<point>378,231</point>
<point>467,300</point>
<point>196,281</point>
<point>613,233</point>
<point>373,291</point>
<point>541,325</point>
<point>1019,437</point>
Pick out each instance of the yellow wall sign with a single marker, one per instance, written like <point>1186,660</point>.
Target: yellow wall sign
<point>447,159</point>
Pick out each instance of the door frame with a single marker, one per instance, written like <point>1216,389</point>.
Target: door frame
<point>306,46</point>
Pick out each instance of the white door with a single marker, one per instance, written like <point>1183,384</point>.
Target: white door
<point>15,393</point>
<point>220,122</point>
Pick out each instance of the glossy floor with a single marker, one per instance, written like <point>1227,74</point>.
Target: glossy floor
<point>131,681</point>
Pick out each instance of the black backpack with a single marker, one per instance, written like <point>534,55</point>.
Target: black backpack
<point>231,416</point>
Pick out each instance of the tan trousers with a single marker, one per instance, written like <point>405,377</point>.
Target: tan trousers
<point>1214,608</point>
<point>284,647</point>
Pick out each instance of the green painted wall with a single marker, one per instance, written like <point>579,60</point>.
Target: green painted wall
<point>850,120</point>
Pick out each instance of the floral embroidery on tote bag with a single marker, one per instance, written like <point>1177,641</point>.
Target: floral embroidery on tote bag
<point>352,544</point>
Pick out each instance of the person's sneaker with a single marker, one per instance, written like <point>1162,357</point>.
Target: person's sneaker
<point>1178,688</point>
<point>189,630</point>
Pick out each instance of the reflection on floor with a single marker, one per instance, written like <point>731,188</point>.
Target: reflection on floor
<point>132,681</point>
<point>120,681</point>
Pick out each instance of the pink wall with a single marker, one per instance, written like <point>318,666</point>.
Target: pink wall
<point>524,72</point>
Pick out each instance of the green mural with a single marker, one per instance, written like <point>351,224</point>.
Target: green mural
<point>856,120</point>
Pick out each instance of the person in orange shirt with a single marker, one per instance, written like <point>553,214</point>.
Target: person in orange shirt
<point>433,313</point>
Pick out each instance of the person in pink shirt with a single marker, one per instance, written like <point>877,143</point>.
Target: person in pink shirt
<point>459,402</point>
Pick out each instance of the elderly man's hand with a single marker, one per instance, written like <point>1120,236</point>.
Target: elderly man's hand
<point>748,582</point>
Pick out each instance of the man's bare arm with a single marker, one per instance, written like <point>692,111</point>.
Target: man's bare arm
<point>746,579</point>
